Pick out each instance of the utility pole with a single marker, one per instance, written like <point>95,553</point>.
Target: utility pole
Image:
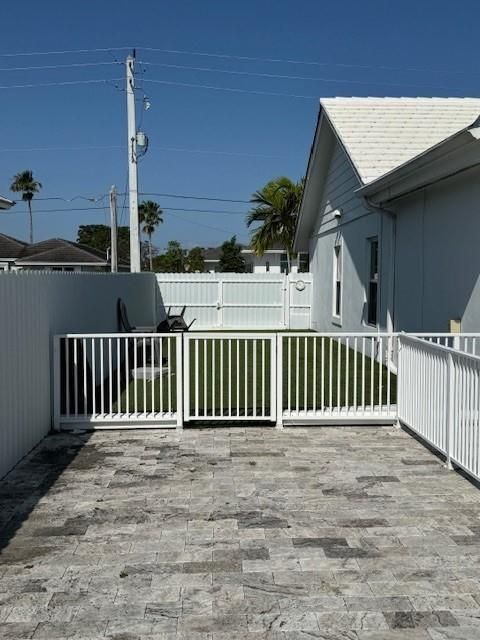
<point>113,230</point>
<point>132,167</point>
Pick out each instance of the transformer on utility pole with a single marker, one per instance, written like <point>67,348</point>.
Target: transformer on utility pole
<point>132,167</point>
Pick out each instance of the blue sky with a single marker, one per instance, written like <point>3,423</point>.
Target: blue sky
<point>204,142</point>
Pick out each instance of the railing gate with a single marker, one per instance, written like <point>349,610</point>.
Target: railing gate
<point>230,377</point>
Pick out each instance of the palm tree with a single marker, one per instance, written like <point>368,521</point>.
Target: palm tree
<point>25,183</point>
<point>150,215</point>
<point>277,206</point>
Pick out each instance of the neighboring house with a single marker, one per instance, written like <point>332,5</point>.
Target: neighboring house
<point>391,215</point>
<point>55,254</point>
<point>211,258</point>
<point>273,261</point>
<point>5,203</point>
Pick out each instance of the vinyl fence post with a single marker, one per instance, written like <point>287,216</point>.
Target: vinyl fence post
<point>450,410</point>
<point>56,383</point>
<point>278,345</point>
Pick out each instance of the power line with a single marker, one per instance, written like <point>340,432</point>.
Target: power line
<point>51,53</point>
<point>167,209</point>
<point>61,66</point>
<point>80,148</point>
<point>201,224</point>
<point>225,56</point>
<point>290,77</point>
<point>153,149</point>
<point>317,63</point>
<point>229,89</point>
<point>187,197</point>
<point>59,84</point>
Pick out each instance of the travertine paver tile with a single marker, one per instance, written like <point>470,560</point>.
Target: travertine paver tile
<point>238,533</point>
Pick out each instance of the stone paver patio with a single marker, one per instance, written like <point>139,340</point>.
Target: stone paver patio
<point>332,533</point>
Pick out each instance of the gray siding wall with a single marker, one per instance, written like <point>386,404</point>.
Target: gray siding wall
<point>438,256</point>
<point>356,225</point>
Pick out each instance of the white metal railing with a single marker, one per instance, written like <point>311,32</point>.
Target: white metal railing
<point>336,376</point>
<point>229,377</point>
<point>466,342</point>
<point>439,399</point>
<point>118,379</point>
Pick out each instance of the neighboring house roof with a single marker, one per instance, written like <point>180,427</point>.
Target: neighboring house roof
<point>212,254</point>
<point>5,203</point>
<point>55,251</point>
<point>380,134</point>
<point>59,251</point>
<point>11,248</point>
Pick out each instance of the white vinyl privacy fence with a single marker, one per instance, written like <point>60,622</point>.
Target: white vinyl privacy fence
<point>239,300</point>
<point>33,307</point>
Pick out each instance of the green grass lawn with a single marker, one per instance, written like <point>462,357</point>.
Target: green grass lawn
<point>235,372</point>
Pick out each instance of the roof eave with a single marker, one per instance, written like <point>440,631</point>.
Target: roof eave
<point>455,153</point>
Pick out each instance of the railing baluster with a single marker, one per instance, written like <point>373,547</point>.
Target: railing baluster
<point>222,376</point>
<point>339,359</point>
<point>330,375</point>
<point>144,347</point>
<point>297,373</point>
<point>322,378</point>
<point>102,391</point>
<point>119,386</point>
<point>289,383</point>
<point>280,369</point>
<point>135,379</point>
<point>355,373</point>
<point>254,388</point>
<point>110,378</point>
<point>212,342</point>
<point>305,383</point>
<point>152,374</point>
<point>197,381</point>
<point>66,343</point>
<point>127,377</point>
<point>230,374</point>
<point>238,378</point>
<point>85,392</point>
<point>75,374</point>
<point>170,371</point>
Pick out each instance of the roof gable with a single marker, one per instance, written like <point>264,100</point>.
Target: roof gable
<point>379,134</point>
<point>11,248</point>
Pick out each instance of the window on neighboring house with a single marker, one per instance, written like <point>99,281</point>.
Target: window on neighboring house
<point>284,263</point>
<point>337,282</point>
<point>303,262</point>
<point>267,266</point>
<point>372,292</point>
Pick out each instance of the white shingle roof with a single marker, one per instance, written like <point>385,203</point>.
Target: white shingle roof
<point>380,134</point>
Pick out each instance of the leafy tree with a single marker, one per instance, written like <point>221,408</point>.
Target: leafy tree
<point>231,259</point>
<point>150,216</point>
<point>277,206</point>
<point>25,183</point>
<point>172,261</point>
<point>98,237</point>
<point>195,261</point>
